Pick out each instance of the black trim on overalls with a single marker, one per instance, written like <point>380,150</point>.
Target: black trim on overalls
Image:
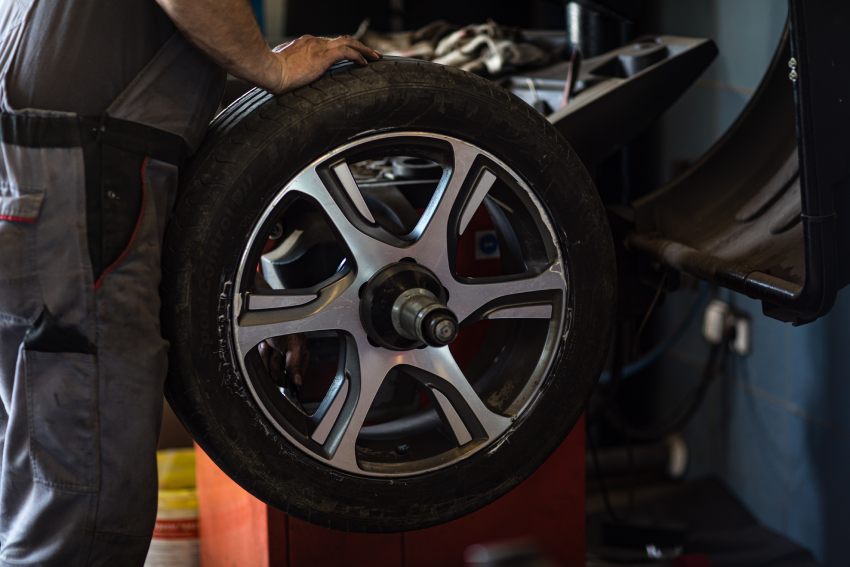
<point>114,152</point>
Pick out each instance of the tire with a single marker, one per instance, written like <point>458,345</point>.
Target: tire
<point>260,148</point>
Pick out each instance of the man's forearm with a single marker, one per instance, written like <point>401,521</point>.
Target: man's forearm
<point>227,31</point>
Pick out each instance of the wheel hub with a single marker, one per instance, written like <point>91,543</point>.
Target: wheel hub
<point>403,307</point>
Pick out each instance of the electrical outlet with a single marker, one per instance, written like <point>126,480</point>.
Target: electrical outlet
<point>722,321</point>
<point>714,322</point>
<point>741,342</point>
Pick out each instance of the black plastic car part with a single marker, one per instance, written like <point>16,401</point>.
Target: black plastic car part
<point>620,93</point>
<point>763,212</point>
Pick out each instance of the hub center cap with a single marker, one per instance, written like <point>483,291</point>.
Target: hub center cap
<point>403,307</point>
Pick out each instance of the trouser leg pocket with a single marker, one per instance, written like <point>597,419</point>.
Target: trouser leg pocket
<point>61,395</point>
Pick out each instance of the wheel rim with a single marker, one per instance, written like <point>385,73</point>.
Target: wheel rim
<point>470,409</point>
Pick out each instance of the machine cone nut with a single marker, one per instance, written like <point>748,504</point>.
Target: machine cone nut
<point>444,329</point>
<point>403,307</point>
<point>418,314</point>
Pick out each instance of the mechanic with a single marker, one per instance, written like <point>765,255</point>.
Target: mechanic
<point>101,103</point>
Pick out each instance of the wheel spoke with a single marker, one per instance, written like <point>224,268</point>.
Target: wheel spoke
<point>330,409</point>
<point>280,300</point>
<point>350,185</point>
<point>367,251</point>
<point>367,367</point>
<point>505,299</point>
<point>452,420</point>
<point>529,311</point>
<point>462,411</point>
<point>482,187</point>
<point>432,231</point>
<point>335,307</point>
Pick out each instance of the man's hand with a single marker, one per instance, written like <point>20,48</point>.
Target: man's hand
<point>305,59</point>
<point>227,31</point>
<point>284,355</point>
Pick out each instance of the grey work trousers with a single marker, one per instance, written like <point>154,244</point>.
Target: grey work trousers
<point>82,401</point>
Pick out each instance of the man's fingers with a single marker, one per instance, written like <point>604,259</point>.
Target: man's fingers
<point>342,53</point>
<point>347,41</point>
<point>305,59</point>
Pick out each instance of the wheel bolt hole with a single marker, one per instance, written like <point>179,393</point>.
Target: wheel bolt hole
<point>402,449</point>
<point>409,260</point>
<point>372,341</point>
<point>361,291</point>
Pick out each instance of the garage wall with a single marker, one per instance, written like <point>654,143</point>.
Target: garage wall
<point>776,427</point>
<point>747,33</point>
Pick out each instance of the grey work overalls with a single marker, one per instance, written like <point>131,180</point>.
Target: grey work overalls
<point>83,207</point>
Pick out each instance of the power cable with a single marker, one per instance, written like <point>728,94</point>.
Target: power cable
<point>715,362</point>
<point>617,345</point>
<point>608,391</point>
<point>665,345</point>
<point>636,343</point>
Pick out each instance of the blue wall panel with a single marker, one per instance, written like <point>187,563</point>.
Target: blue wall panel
<point>775,426</point>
